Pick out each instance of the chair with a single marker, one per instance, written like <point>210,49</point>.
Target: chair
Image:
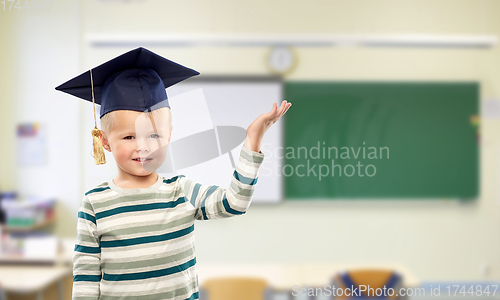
<point>231,288</point>
<point>2,293</point>
<point>371,278</point>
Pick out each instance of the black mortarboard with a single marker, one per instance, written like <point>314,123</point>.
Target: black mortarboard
<point>135,80</point>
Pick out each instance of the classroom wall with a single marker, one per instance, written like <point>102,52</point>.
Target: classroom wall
<point>7,94</point>
<point>438,240</point>
<point>42,50</point>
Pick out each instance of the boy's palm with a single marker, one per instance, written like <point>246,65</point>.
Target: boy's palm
<point>256,130</point>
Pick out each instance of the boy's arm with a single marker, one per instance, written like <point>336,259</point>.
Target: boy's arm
<point>213,202</point>
<point>86,256</point>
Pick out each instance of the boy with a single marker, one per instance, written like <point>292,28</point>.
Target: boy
<point>135,236</point>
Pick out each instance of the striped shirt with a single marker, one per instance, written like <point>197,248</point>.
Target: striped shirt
<point>139,243</point>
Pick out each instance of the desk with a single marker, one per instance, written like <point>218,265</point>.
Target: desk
<point>32,279</point>
<point>284,276</point>
<point>281,276</point>
<point>27,278</point>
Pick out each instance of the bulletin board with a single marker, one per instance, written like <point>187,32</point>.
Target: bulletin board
<point>210,113</point>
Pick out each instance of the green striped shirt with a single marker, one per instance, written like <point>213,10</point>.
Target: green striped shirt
<point>139,243</point>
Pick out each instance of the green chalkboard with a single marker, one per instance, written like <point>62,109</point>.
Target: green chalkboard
<point>369,140</point>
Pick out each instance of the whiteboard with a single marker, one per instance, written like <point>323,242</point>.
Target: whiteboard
<point>214,111</point>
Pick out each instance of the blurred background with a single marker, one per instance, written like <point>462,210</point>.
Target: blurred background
<point>419,77</point>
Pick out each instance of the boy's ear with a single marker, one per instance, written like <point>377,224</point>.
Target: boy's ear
<point>170,135</point>
<point>104,141</point>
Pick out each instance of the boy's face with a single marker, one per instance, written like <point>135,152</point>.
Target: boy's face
<point>137,147</point>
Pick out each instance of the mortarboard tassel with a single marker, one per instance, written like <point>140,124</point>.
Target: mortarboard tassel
<point>99,157</point>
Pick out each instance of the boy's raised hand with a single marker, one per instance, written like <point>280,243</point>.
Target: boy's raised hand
<point>256,130</point>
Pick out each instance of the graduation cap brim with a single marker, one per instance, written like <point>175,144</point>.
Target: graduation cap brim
<point>169,72</point>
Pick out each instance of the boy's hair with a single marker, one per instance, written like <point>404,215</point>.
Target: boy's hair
<point>107,119</point>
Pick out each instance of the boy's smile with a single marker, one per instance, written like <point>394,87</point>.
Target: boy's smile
<point>138,143</point>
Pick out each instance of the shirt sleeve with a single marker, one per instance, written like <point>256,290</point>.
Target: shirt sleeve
<point>87,255</point>
<point>214,202</point>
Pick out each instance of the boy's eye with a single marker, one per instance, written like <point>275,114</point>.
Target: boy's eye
<point>154,135</point>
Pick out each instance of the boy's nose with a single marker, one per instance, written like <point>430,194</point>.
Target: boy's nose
<point>142,145</point>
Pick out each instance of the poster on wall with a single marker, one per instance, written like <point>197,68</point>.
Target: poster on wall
<point>31,144</point>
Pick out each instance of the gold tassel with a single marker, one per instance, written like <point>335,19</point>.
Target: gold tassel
<point>99,157</point>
